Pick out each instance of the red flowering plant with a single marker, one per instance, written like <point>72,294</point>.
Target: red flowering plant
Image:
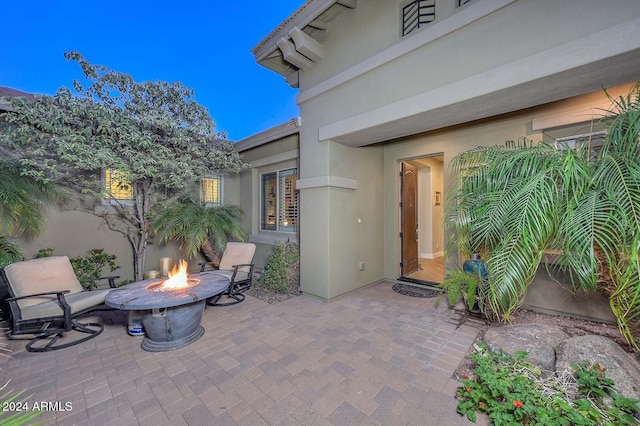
<point>512,391</point>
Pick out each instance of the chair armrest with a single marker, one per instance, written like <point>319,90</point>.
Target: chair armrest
<point>112,280</point>
<point>240,265</point>
<point>204,265</point>
<point>49,293</point>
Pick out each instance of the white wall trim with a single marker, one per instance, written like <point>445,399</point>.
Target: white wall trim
<point>280,131</point>
<point>278,158</point>
<point>435,30</point>
<point>432,255</point>
<point>272,239</point>
<point>326,181</point>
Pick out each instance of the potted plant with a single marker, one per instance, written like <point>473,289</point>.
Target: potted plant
<point>462,285</point>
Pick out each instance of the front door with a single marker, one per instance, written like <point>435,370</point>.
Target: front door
<point>409,218</point>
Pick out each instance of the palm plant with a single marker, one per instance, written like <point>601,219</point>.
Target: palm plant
<point>514,202</point>
<point>23,203</point>
<point>199,228</point>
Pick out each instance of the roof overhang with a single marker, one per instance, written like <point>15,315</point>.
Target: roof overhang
<point>292,46</point>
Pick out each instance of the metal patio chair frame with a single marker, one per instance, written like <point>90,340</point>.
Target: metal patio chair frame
<point>236,264</point>
<point>45,299</point>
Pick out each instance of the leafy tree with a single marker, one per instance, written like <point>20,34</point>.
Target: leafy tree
<point>156,137</point>
<point>23,201</point>
<point>199,228</point>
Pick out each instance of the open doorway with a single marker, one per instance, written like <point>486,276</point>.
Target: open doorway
<point>421,219</point>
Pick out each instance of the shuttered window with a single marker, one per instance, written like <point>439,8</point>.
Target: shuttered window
<point>280,201</point>
<point>211,190</point>
<point>117,187</point>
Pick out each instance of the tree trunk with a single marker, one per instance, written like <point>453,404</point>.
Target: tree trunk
<point>211,254</point>
<point>139,238</point>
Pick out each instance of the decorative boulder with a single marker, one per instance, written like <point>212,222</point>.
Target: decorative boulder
<point>539,340</point>
<point>619,365</point>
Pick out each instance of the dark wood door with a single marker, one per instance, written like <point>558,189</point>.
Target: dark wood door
<point>409,218</point>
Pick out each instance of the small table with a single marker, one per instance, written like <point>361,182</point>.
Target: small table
<point>171,318</point>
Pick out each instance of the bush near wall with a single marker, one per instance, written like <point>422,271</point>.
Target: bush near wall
<point>282,271</point>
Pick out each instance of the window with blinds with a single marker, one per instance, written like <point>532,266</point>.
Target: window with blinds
<point>211,190</point>
<point>117,187</point>
<point>280,201</point>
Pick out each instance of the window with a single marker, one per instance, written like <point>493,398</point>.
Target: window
<point>463,2</point>
<point>211,190</point>
<point>589,143</point>
<point>417,13</point>
<point>117,187</point>
<point>280,201</point>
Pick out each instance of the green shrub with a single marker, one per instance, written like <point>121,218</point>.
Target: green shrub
<point>282,268</point>
<point>88,268</point>
<point>513,392</point>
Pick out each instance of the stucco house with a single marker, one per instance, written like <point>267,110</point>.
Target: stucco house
<point>389,92</point>
<point>389,89</point>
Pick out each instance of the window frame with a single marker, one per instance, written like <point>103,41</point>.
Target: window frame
<point>109,198</point>
<point>279,194</point>
<point>213,177</point>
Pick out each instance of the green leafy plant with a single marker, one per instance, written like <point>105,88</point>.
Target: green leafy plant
<point>282,268</point>
<point>516,201</point>
<point>512,391</point>
<point>459,284</point>
<point>198,227</point>
<point>23,203</point>
<point>88,268</point>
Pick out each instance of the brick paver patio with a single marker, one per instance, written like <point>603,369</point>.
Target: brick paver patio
<point>372,357</point>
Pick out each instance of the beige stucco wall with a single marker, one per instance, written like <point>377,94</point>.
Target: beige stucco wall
<point>341,214</point>
<point>72,233</point>
<point>272,156</point>
<point>520,30</point>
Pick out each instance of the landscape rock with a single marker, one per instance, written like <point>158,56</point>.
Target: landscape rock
<point>539,340</point>
<point>620,366</point>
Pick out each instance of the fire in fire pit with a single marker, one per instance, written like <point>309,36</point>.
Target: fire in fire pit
<point>178,279</point>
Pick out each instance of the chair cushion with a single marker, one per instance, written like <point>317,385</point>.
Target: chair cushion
<point>237,254</point>
<point>77,301</point>
<point>240,276</point>
<point>40,276</point>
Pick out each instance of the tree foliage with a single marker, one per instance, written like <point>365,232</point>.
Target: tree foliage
<point>155,134</point>
<point>198,227</point>
<point>514,202</point>
<point>23,202</point>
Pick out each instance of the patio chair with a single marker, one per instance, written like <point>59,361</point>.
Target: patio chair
<point>45,298</point>
<point>236,264</point>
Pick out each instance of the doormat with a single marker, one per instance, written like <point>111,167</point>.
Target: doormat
<point>413,291</point>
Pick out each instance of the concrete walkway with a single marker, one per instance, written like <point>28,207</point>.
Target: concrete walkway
<point>372,357</point>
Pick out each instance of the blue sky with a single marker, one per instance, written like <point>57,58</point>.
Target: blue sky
<point>204,44</point>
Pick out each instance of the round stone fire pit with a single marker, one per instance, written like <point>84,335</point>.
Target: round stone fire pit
<point>171,318</point>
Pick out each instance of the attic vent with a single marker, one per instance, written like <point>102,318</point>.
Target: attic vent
<point>416,14</point>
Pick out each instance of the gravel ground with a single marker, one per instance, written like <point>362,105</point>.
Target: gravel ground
<point>270,296</point>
